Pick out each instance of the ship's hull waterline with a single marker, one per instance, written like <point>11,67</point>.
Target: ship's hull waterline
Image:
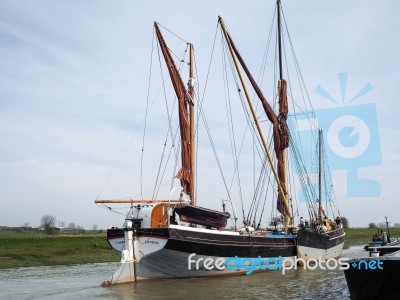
<point>182,252</point>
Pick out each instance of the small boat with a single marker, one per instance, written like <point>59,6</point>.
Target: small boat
<point>374,277</point>
<point>202,216</point>
<point>382,238</point>
<point>383,250</point>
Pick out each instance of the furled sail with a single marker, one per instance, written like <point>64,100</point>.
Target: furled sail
<point>184,174</point>
<point>280,129</point>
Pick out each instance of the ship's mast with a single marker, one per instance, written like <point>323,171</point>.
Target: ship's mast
<point>191,122</point>
<point>278,7</point>
<point>320,176</point>
<point>280,93</point>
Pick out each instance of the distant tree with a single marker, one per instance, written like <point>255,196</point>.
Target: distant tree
<point>372,225</point>
<point>345,222</point>
<point>397,225</point>
<point>80,229</point>
<point>26,225</point>
<point>275,221</point>
<point>48,224</point>
<point>72,225</point>
<point>95,227</point>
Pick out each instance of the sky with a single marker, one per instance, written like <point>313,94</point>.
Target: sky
<point>73,88</point>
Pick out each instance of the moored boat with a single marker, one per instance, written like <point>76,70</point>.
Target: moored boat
<point>176,237</point>
<point>374,277</point>
<point>382,239</point>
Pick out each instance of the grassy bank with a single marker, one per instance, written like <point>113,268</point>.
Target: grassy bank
<point>361,236</point>
<point>30,248</point>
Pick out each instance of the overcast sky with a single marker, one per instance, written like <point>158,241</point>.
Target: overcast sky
<point>73,88</point>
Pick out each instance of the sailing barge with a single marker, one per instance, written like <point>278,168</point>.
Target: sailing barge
<point>152,242</point>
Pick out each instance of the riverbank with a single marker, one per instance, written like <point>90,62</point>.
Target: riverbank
<point>32,248</point>
<point>362,236</point>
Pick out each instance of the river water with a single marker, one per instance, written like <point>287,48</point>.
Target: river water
<point>83,282</point>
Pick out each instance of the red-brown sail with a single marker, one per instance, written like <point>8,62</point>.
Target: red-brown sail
<point>280,129</point>
<point>184,173</point>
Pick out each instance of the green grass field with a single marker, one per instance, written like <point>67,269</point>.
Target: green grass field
<point>31,248</point>
<point>362,236</point>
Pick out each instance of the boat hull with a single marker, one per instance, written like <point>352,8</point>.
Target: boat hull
<point>116,238</point>
<point>210,242</point>
<point>177,264</point>
<point>316,245</point>
<point>378,283</point>
<point>228,244</point>
<point>173,252</point>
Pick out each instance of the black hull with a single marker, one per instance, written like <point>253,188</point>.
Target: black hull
<point>221,245</point>
<point>212,244</point>
<point>374,284</point>
<point>114,234</point>
<point>325,241</point>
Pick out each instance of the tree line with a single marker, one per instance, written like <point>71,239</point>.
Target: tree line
<point>48,225</point>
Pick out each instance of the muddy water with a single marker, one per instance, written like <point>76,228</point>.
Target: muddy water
<point>83,282</point>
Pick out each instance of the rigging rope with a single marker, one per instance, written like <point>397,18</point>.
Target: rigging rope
<point>169,128</point>
<point>203,117</point>
<point>231,131</point>
<point>145,120</point>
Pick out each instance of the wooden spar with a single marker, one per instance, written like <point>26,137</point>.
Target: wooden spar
<point>191,122</point>
<point>136,201</point>
<point>278,7</point>
<point>320,175</point>
<point>288,217</point>
<point>284,166</point>
<point>280,87</point>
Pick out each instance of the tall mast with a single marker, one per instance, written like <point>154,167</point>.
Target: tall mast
<point>282,95</point>
<point>278,7</point>
<point>320,175</point>
<point>191,122</point>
